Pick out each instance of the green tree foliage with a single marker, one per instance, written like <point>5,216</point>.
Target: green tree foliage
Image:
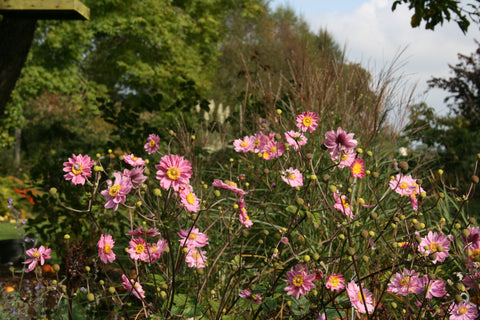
<point>434,12</point>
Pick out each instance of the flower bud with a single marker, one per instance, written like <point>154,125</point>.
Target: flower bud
<point>403,165</point>
<point>474,179</point>
<point>53,191</point>
<point>217,193</point>
<point>90,297</point>
<point>333,188</point>
<point>279,111</point>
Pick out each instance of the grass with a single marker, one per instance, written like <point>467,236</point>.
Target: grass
<point>9,231</point>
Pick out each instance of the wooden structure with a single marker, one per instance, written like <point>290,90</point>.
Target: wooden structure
<point>45,9</point>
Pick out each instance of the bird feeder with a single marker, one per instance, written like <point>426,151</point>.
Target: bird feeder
<point>45,9</point>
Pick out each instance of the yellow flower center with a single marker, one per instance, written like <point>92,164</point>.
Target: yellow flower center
<point>154,248</point>
<point>266,154</point>
<point>139,248</point>
<point>475,255</point>
<point>152,143</point>
<point>403,185</point>
<point>77,168</point>
<point>114,190</point>
<point>173,173</point>
<point>231,183</point>
<point>405,281</point>
<point>273,149</point>
<point>192,236</point>
<point>345,203</point>
<point>307,121</point>
<point>36,254</point>
<point>434,246</point>
<point>196,255</point>
<point>257,142</point>
<point>360,296</point>
<point>334,281</point>
<point>462,310</point>
<point>345,157</point>
<point>244,144</point>
<point>107,249</point>
<point>190,198</point>
<point>246,218</point>
<point>134,158</point>
<point>292,176</point>
<point>297,280</point>
<point>357,168</point>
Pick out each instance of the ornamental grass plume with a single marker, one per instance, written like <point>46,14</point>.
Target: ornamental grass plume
<point>300,282</point>
<point>78,168</point>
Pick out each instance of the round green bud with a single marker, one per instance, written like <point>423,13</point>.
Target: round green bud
<point>260,241</point>
<point>56,267</point>
<point>306,258</point>
<point>333,189</point>
<point>299,201</point>
<point>53,191</point>
<point>111,290</point>
<point>326,177</point>
<point>364,234</point>
<point>163,295</point>
<point>472,220</point>
<point>316,256</point>
<point>475,179</point>
<point>90,297</point>
<point>351,251</point>
<point>217,193</point>
<point>394,305</point>
<point>403,165</point>
<point>313,177</point>
<point>101,282</point>
<point>265,232</point>
<point>457,225</point>
<point>279,111</point>
<point>371,233</point>
<point>374,215</point>
<point>87,268</point>
<point>157,192</point>
<point>97,168</point>
<point>359,150</point>
<point>341,236</point>
<point>375,174</point>
<point>366,259</point>
<point>66,236</point>
<point>369,153</point>
<point>146,171</point>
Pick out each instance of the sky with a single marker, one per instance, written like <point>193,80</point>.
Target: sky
<point>374,36</point>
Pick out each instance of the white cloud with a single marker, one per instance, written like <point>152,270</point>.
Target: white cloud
<point>374,35</point>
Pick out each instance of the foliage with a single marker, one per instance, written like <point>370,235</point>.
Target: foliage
<point>435,12</point>
<point>293,227</point>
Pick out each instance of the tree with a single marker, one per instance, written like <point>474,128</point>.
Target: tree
<point>435,12</point>
<point>464,87</point>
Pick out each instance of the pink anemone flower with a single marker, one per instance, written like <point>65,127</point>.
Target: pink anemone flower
<point>189,199</point>
<point>463,311</point>
<point>229,185</point>
<point>116,192</point>
<point>405,283</point>
<point>152,143</point>
<point>133,161</point>
<point>357,168</point>
<point>105,246</point>
<point>435,243</point>
<point>37,256</point>
<point>196,258</point>
<point>360,298</point>
<point>295,139</point>
<point>340,141</point>
<point>192,238</point>
<point>173,172</point>
<point>342,205</point>
<point>133,286</point>
<point>292,177</point>
<point>78,168</point>
<point>300,282</point>
<point>244,145</point>
<point>307,121</point>
<point>243,217</point>
<point>335,282</point>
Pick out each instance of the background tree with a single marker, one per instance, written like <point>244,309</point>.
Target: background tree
<point>434,12</point>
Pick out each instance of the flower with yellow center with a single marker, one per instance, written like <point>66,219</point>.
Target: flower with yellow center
<point>191,198</point>
<point>357,168</point>
<point>243,143</point>
<point>113,191</point>
<point>403,185</point>
<point>307,121</point>
<point>192,236</point>
<point>139,248</point>
<point>462,310</point>
<point>292,176</point>
<point>334,281</point>
<point>77,168</point>
<point>107,249</point>
<point>173,173</point>
<point>405,281</point>
<point>434,246</point>
<point>152,143</point>
<point>297,280</point>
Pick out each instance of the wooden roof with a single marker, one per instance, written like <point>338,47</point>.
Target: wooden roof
<point>45,9</point>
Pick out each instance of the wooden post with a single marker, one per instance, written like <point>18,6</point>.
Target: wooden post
<point>45,9</point>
